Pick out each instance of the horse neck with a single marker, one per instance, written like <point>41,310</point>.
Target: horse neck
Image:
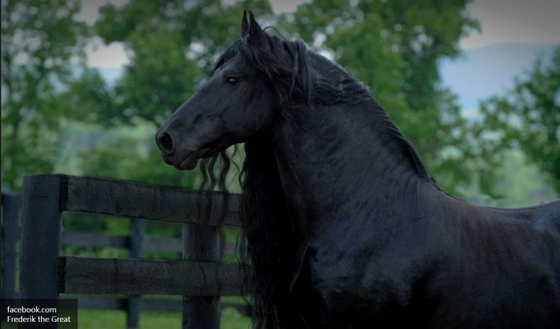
<point>340,162</point>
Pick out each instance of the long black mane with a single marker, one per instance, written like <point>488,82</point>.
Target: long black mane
<point>287,65</point>
<point>302,80</point>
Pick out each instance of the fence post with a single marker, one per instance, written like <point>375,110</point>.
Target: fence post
<point>11,205</point>
<point>136,241</point>
<point>201,244</point>
<point>40,244</point>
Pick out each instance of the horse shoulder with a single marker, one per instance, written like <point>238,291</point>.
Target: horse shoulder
<point>377,275</point>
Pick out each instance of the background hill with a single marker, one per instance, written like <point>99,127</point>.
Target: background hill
<point>485,71</point>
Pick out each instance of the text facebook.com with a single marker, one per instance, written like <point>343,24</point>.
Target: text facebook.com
<point>35,315</point>
<point>40,313</point>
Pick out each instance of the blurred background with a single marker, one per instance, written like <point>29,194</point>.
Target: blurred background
<point>473,85</point>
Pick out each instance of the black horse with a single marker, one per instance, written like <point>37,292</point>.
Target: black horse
<point>345,226</point>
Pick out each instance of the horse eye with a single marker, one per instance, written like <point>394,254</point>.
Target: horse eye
<point>232,81</point>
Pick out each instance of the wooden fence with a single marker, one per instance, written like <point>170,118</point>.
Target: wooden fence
<point>44,273</point>
<point>11,205</point>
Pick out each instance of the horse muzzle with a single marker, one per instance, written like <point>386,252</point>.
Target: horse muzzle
<point>172,155</point>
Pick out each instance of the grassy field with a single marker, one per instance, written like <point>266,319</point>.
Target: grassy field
<point>95,319</point>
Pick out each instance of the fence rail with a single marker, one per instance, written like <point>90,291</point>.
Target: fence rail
<point>46,274</point>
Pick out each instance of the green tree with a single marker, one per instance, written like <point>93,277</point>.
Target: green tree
<point>205,27</point>
<point>89,99</point>
<point>528,118</point>
<point>159,78</point>
<point>39,38</point>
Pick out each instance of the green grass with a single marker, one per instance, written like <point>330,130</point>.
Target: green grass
<point>6,325</point>
<point>95,319</point>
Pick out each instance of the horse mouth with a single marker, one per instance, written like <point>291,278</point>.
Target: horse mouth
<point>191,160</point>
<point>188,163</point>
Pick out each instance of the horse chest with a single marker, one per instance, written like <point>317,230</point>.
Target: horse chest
<point>365,281</point>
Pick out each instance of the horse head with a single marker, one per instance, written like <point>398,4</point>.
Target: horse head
<point>236,104</point>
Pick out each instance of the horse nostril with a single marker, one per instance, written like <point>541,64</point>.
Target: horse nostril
<point>165,142</point>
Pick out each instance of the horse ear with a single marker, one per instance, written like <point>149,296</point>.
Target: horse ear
<point>257,36</point>
<point>244,25</point>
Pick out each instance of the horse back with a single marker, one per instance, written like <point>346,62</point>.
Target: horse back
<point>453,266</point>
<point>544,217</point>
<point>502,270</point>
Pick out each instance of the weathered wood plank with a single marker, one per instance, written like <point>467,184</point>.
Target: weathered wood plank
<point>11,205</point>
<point>131,199</point>
<point>136,238</point>
<point>94,240</point>
<point>83,275</point>
<point>136,248</point>
<point>41,227</point>
<point>201,244</point>
<point>40,247</point>
<point>163,244</point>
<point>152,243</point>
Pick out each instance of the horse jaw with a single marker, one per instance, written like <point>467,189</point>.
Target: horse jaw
<point>189,162</point>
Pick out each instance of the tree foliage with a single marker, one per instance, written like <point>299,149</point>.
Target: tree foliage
<point>528,118</point>
<point>159,78</point>
<point>392,46</point>
<point>39,38</point>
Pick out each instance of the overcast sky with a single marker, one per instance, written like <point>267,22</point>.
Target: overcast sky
<point>533,21</point>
